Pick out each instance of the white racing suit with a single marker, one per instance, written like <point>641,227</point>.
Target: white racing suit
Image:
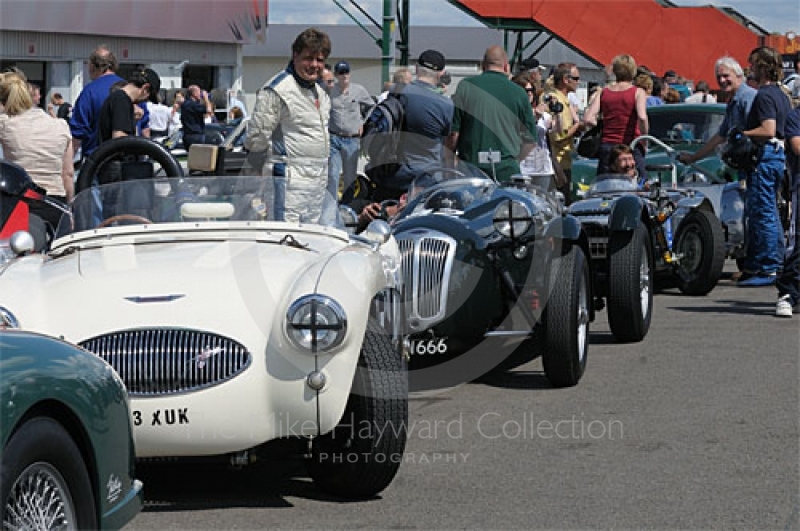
<point>290,123</point>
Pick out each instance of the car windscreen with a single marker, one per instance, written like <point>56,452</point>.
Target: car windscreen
<point>612,183</point>
<point>171,200</point>
<point>454,195</point>
<point>684,126</point>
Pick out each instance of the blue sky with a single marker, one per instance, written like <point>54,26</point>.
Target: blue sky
<point>773,15</point>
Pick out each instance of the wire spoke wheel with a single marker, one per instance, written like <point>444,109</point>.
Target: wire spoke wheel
<point>40,500</point>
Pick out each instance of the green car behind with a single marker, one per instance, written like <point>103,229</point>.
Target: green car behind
<point>684,127</point>
<point>68,458</point>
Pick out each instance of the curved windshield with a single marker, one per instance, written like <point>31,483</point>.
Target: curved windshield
<point>612,183</point>
<point>173,200</point>
<point>448,196</point>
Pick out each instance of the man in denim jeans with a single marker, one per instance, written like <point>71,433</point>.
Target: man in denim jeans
<point>766,124</point>
<point>349,104</point>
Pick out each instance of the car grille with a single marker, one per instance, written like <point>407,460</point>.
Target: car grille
<point>427,261</point>
<point>165,361</point>
<point>598,240</point>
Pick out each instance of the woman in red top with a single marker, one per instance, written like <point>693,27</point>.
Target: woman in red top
<point>623,108</point>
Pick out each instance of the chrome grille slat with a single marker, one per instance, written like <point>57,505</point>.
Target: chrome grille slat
<point>164,361</point>
<point>427,259</point>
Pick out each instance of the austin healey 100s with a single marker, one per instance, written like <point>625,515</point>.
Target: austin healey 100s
<point>229,329</point>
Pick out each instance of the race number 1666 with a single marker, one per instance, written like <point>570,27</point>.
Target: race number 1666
<point>429,347</point>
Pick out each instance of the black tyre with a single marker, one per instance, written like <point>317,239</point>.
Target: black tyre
<point>700,248</point>
<point>361,456</point>
<point>567,315</point>
<point>630,284</point>
<point>44,480</point>
<point>131,145</point>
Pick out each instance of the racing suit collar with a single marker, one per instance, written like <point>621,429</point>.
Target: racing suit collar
<point>300,81</point>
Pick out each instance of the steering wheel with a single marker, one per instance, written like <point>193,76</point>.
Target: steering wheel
<point>124,217</point>
<point>133,145</point>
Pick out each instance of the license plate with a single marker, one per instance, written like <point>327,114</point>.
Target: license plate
<point>429,346</point>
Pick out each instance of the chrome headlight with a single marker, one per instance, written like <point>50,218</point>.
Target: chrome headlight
<point>7,319</point>
<point>512,218</point>
<point>316,323</point>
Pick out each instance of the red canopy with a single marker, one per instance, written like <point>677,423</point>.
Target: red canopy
<point>685,39</point>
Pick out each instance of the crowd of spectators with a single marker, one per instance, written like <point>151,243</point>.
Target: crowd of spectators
<point>509,119</point>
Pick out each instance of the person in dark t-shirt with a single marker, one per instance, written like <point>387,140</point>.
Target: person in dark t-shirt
<point>765,126</point>
<point>116,116</point>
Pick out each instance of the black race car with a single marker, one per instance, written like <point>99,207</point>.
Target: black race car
<point>641,240</point>
<point>489,267</point>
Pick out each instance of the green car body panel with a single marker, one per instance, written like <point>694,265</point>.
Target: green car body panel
<point>42,376</point>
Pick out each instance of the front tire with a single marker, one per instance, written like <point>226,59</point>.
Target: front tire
<point>361,456</point>
<point>630,284</point>
<point>700,244</point>
<point>44,481</point>
<point>566,329</point>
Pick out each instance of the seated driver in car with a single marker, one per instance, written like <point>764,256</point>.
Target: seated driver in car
<point>621,162</point>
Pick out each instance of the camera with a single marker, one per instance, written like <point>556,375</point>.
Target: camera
<point>555,106</point>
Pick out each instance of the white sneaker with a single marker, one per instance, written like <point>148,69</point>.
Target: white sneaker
<point>784,307</point>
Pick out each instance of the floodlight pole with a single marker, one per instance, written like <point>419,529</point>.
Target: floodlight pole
<point>387,50</point>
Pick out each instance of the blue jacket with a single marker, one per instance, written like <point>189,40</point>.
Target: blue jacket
<point>84,123</point>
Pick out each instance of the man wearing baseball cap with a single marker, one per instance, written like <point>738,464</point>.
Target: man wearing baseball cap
<point>534,69</point>
<point>350,102</point>
<point>428,119</point>
<point>116,115</point>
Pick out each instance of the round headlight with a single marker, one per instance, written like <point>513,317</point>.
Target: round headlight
<point>512,219</point>
<point>316,323</point>
<point>7,319</point>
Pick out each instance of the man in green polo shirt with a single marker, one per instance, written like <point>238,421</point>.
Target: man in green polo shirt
<point>493,125</point>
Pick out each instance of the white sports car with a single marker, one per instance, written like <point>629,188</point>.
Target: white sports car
<point>229,329</point>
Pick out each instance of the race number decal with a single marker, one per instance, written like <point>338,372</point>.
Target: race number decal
<point>161,417</point>
<point>429,347</point>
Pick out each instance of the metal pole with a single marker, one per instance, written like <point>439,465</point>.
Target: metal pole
<point>387,49</point>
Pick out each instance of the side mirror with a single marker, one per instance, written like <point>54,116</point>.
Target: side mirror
<point>378,231</point>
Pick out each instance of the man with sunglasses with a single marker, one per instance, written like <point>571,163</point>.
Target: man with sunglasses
<point>349,104</point>
<point>327,79</point>
<point>566,122</point>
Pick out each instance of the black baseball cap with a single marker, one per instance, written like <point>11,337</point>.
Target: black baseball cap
<point>342,67</point>
<point>531,63</point>
<point>149,76</point>
<point>431,59</point>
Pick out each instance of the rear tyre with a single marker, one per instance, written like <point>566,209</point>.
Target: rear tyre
<point>630,284</point>
<point>44,480</point>
<point>361,456</point>
<point>700,244</point>
<point>567,317</point>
